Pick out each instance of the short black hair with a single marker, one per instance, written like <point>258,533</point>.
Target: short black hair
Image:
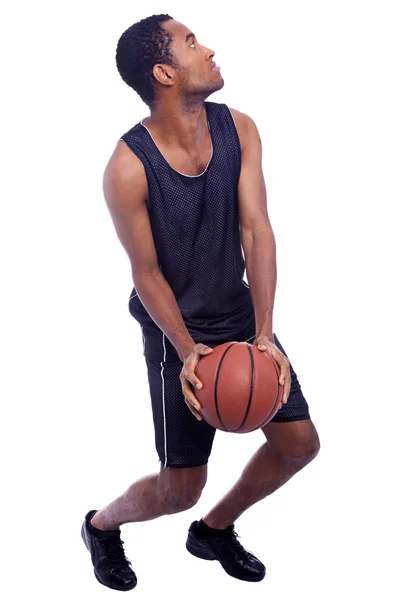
<point>139,48</point>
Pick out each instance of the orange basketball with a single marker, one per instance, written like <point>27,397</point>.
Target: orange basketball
<point>241,390</point>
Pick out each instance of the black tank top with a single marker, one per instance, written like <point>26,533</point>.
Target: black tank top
<point>195,226</point>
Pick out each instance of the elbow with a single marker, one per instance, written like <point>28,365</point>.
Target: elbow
<point>145,275</point>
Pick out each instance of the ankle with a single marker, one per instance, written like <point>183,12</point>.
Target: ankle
<point>98,522</point>
<point>205,531</point>
<point>215,524</point>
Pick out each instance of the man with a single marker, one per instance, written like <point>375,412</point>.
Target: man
<point>185,191</point>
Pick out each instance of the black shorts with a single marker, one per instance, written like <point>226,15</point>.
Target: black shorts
<point>183,441</point>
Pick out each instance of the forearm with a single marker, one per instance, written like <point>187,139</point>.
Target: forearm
<point>261,271</point>
<point>157,297</point>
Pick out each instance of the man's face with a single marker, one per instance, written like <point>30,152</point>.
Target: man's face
<point>195,75</point>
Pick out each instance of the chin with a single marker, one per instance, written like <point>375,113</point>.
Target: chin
<point>218,86</point>
<point>209,89</point>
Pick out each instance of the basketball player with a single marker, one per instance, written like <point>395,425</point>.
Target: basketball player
<point>178,185</point>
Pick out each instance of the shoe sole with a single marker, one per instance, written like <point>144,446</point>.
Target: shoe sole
<point>85,541</point>
<point>200,552</point>
<point>209,554</point>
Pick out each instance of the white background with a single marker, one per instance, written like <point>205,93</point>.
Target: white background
<point>320,79</point>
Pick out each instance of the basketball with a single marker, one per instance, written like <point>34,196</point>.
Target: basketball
<point>241,390</point>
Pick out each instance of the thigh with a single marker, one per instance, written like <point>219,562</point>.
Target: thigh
<point>181,440</point>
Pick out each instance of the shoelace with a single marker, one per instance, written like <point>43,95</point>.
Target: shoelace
<point>115,551</point>
<point>234,545</point>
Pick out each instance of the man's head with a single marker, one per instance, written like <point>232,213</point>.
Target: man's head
<point>160,57</point>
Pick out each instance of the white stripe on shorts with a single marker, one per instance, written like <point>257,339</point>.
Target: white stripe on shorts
<point>250,338</point>
<point>163,398</point>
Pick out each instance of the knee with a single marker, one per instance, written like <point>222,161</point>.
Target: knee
<point>178,500</point>
<point>182,488</point>
<point>310,450</point>
<point>303,453</point>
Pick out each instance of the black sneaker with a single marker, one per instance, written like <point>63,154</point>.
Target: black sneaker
<point>226,548</point>
<point>111,568</point>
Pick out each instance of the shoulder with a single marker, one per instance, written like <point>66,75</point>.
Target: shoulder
<point>124,171</point>
<point>123,162</point>
<point>246,127</point>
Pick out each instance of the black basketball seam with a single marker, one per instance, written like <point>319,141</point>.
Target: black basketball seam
<point>216,387</point>
<point>251,390</point>
<point>277,395</point>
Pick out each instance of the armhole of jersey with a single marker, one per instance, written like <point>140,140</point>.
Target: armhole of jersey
<point>237,137</point>
<point>235,128</point>
<point>233,118</point>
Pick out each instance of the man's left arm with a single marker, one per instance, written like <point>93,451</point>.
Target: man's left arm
<point>257,236</point>
<point>258,243</point>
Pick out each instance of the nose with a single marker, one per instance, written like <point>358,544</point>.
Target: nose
<point>209,53</point>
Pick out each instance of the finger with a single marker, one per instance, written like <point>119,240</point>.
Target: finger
<point>286,389</point>
<point>287,386</point>
<point>284,370</point>
<point>203,348</point>
<point>190,376</point>
<point>262,344</point>
<point>193,411</point>
<point>191,398</point>
<point>285,379</point>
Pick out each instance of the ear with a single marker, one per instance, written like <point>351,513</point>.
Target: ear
<point>164,74</point>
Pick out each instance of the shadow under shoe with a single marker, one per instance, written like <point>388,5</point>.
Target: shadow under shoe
<point>235,560</point>
<point>111,567</point>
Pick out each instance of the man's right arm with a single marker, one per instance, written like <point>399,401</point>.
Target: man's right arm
<point>126,191</point>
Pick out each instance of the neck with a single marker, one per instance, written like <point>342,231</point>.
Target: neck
<point>181,125</point>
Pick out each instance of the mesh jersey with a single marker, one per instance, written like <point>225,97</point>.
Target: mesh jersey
<point>196,231</point>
